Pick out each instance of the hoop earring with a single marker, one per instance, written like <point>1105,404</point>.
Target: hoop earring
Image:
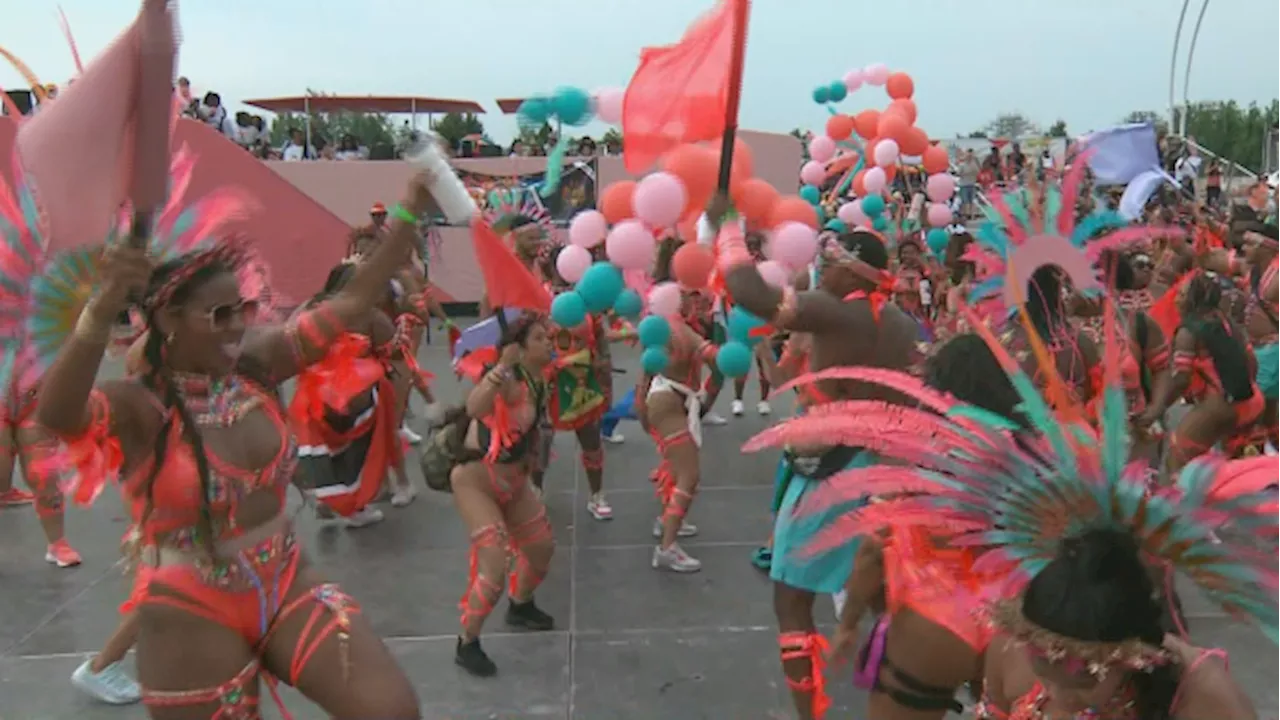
<point>168,339</point>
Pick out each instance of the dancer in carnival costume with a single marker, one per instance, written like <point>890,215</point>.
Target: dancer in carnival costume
<point>671,409</point>
<point>199,444</point>
<point>493,442</point>
<point>853,303</point>
<point>1263,252</point>
<point>344,412</point>
<point>1062,507</point>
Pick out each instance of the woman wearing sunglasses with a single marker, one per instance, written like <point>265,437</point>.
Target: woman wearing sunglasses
<point>204,457</point>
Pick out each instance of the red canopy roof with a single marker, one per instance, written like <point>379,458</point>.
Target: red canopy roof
<point>366,103</point>
<point>509,106</point>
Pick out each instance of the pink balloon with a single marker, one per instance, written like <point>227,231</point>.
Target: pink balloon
<point>845,213</point>
<point>813,173</point>
<point>874,180</point>
<point>609,105</point>
<point>774,273</point>
<point>664,299</point>
<point>876,74</point>
<point>630,245</point>
<point>587,229</point>
<point>572,261</point>
<point>853,80</point>
<point>659,199</point>
<point>938,215</point>
<point>794,245</point>
<point>940,187</point>
<point>822,148</point>
<point>887,152</point>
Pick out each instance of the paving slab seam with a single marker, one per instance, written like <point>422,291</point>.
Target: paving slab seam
<point>48,618</point>
<point>684,543</point>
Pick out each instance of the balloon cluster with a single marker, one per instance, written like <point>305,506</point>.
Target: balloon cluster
<point>570,105</point>
<point>734,357</point>
<point>890,135</point>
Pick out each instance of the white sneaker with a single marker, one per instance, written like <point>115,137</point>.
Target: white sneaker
<point>712,418</point>
<point>687,529</point>
<point>763,408</point>
<point>409,435</point>
<point>364,518</point>
<point>111,686</point>
<point>737,408</point>
<point>616,438</point>
<point>675,560</point>
<point>404,494</point>
<point>600,508</point>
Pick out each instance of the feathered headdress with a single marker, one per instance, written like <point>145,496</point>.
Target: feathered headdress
<point>1019,498</point>
<point>62,284</point>
<point>1036,226</point>
<point>505,206</point>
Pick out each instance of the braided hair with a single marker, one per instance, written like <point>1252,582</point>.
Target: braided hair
<point>1203,317</point>
<point>158,380</point>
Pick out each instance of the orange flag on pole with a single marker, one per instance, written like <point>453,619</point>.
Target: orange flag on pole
<point>507,282</point>
<point>681,93</point>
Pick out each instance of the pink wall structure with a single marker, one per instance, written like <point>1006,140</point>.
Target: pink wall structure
<point>348,189</point>
<point>307,208</point>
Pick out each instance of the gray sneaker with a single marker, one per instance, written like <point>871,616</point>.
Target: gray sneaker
<point>687,529</point>
<point>112,686</point>
<point>675,560</point>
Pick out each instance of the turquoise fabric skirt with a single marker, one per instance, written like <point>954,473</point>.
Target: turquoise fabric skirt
<point>1268,370</point>
<point>793,565</point>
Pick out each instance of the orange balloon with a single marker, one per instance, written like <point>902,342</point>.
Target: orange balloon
<point>744,163</point>
<point>935,159</point>
<point>839,127</point>
<point>615,201</point>
<point>687,230</point>
<point>755,198</point>
<point>858,187</point>
<point>869,151</point>
<point>793,208</point>
<point>696,166</point>
<point>906,106</point>
<point>691,265</point>
<point>893,125</point>
<point>914,143</point>
<point>899,85</point>
<point>866,123</point>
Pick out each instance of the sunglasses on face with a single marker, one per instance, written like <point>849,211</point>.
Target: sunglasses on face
<point>221,317</point>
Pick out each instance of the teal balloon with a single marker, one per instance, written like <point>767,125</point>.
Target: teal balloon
<point>654,332</point>
<point>880,224</point>
<point>734,359</point>
<point>628,304</point>
<point>822,95</point>
<point>741,323</point>
<point>837,91</point>
<point>811,194</point>
<point>534,111</point>
<point>572,105</point>
<point>836,225</point>
<point>654,360</point>
<point>568,310</point>
<point>599,286</point>
<point>872,205</point>
<point>937,240</point>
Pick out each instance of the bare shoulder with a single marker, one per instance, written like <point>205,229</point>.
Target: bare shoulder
<point>1208,690</point>
<point>1005,677</point>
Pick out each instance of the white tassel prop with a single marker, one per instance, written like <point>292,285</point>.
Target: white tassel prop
<point>446,188</point>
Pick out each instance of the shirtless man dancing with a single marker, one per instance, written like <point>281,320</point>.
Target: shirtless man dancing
<point>851,324</point>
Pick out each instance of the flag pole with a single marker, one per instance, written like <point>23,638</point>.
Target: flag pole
<point>741,9</point>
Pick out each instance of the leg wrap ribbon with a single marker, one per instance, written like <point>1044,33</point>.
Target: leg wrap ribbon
<point>234,700</point>
<point>664,480</point>
<point>525,576</point>
<point>593,459</point>
<point>678,504</point>
<point>482,593</point>
<point>812,647</point>
<point>325,600</point>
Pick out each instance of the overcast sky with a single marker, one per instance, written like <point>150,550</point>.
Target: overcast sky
<point>1088,62</point>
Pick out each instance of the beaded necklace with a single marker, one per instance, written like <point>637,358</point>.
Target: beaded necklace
<point>215,402</point>
<point>1031,707</point>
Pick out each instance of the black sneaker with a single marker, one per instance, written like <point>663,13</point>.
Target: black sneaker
<point>528,616</point>
<point>471,657</point>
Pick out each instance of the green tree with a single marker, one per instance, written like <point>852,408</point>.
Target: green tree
<point>1011,125</point>
<point>1058,129</point>
<point>977,135</point>
<point>1231,131</point>
<point>612,137</point>
<point>374,131</point>
<point>453,127</point>
<point>1149,116</point>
